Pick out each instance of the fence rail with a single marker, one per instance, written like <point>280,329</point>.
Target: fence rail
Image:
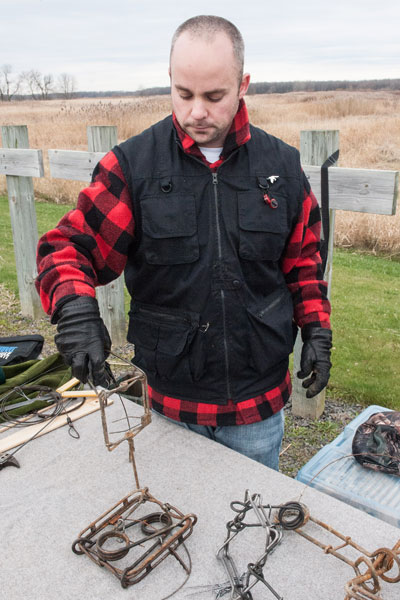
<point>20,162</point>
<point>357,190</point>
<point>73,164</point>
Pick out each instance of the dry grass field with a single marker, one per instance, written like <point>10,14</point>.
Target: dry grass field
<point>369,125</point>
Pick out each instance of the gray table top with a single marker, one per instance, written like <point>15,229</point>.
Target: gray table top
<point>64,484</point>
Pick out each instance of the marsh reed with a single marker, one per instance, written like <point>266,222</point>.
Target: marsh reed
<point>368,122</point>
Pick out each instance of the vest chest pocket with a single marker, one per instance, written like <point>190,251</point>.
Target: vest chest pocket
<point>170,229</point>
<point>263,230</point>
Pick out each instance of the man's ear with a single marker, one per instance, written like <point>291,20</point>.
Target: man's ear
<point>169,72</point>
<point>244,86</point>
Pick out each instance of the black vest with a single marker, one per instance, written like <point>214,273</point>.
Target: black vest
<point>211,316</point>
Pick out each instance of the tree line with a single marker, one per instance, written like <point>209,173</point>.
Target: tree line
<point>34,84</point>
<point>267,87</point>
<point>38,86</point>
<point>283,87</point>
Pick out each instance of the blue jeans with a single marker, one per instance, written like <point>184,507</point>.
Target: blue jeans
<point>260,441</point>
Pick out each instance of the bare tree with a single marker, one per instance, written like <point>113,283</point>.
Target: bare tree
<point>30,78</point>
<point>45,84</point>
<point>9,85</point>
<point>40,86</point>
<point>67,85</point>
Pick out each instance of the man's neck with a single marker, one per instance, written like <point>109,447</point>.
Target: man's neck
<point>238,135</point>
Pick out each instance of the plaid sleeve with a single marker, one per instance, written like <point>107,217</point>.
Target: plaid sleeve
<point>302,266</point>
<point>89,246</point>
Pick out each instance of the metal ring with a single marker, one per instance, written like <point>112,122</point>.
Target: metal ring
<point>238,506</point>
<point>376,587</point>
<point>389,558</point>
<point>81,542</point>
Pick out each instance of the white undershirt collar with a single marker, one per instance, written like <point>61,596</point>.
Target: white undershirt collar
<point>211,154</point>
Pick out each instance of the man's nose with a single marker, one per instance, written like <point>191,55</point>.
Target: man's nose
<point>199,110</point>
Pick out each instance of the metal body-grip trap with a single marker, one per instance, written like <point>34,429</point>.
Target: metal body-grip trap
<point>138,532</point>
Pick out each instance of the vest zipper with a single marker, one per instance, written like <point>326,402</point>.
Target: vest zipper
<point>265,310</point>
<point>219,245</point>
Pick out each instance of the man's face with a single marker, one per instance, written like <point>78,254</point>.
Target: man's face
<point>205,90</point>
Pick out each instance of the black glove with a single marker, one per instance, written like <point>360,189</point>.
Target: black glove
<point>315,359</point>
<point>83,339</point>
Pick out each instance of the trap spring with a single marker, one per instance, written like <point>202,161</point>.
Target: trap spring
<point>130,541</point>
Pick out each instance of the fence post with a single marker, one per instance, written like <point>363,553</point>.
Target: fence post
<point>21,201</point>
<point>315,148</point>
<point>111,296</point>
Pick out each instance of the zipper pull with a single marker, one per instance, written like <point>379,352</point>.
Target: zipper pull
<point>272,202</point>
<point>214,178</point>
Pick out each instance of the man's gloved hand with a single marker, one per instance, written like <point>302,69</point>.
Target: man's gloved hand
<point>315,359</point>
<point>83,339</point>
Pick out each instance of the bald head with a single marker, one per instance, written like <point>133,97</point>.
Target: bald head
<point>207,28</point>
<point>205,84</point>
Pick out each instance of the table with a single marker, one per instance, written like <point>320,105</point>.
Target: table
<point>64,484</point>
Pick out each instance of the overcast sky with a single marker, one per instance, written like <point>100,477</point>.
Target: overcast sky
<point>124,44</point>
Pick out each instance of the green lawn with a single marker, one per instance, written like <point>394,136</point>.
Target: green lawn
<point>366,328</point>
<point>47,213</point>
<point>365,315</point>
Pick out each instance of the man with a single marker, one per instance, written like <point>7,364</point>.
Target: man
<point>218,232</point>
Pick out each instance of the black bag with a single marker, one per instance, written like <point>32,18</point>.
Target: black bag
<point>20,348</point>
<point>376,443</point>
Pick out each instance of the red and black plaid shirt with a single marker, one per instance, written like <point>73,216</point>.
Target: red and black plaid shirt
<point>89,247</point>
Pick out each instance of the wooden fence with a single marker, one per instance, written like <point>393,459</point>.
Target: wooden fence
<point>359,190</point>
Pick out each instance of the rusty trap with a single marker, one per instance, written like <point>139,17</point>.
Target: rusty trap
<point>135,536</point>
<point>369,567</point>
<point>139,532</point>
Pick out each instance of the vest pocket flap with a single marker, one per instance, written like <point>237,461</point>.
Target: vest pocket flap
<point>257,215</point>
<point>172,341</point>
<point>166,342</point>
<point>169,216</point>
<point>144,333</point>
<point>167,330</point>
